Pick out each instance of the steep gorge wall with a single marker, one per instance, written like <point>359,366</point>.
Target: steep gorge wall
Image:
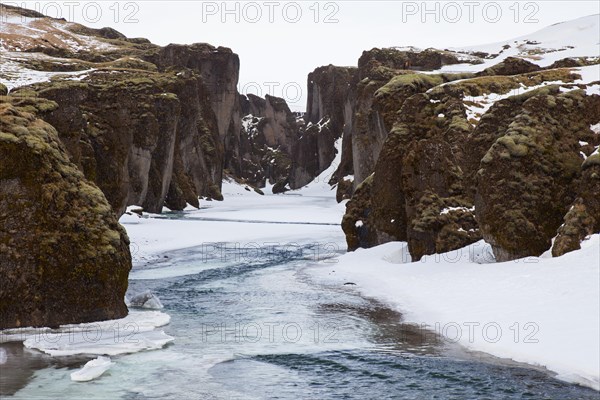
<point>64,258</point>
<point>446,177</point>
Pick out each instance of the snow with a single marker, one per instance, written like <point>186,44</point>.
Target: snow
<point>92,369</point>
<point>450,209</point>
<point>13,74</point>
<point>241,218</point>
<point>571,39</point>
<point>541,311</point>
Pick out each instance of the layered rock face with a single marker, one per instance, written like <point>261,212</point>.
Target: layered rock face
<point>151,125</point>
<point>329,113</point>
<point>219,68</point>
<point>269,132</point>
<point>63,256</point>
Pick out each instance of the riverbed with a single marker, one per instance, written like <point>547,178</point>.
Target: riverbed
<point>250,321</point>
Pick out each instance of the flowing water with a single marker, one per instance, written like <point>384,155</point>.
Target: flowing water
<point>252,325</point>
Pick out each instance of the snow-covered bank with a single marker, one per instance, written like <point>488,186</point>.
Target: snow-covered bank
<point>243,217</point>
<point>541,311</point>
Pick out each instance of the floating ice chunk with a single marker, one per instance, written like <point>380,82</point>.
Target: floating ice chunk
<point>128,341</point>
<point>92,369</point>
<point>358,224</point>
<point>131,334</point>
<point>3,356</point>
<point>146,299</point>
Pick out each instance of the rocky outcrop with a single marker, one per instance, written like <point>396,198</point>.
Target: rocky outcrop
<point>583,218</point>
<point>418,189</point>
<point>219,69</point>
<point>329,114</point>
<point>150,125</point>
<point>431,184</point>
<point>121,130</point>
<point>63,256</point>
<point>527,180</point>
<point>510,66</point>
<point>269,132</point>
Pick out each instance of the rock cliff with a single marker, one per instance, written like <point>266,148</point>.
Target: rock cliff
<point>63,256</point>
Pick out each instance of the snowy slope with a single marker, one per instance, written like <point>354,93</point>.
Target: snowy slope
<point>570,39</point>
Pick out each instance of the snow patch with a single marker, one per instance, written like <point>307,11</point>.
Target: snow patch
<point>450,209</point>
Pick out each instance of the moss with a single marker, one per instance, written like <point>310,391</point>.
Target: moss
<point>79,249</point>
<point>460,123</point>
<point>169,96</point>
<point>591,161</point>
<point>505,84</point>
<point>515,144</point>
<point>411,80</point>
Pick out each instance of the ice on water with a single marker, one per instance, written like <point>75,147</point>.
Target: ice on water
<point>136,332</point>
<point>92,369</point>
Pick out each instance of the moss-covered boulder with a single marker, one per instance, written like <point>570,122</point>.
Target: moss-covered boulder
<point>510,66</point>
<point>63,256</point>
<point>417,193</point>
<point>419,173</point>
<point>583,218</point>
<point>527,180</point>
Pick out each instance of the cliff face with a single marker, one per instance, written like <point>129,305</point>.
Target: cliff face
<point>150,125</point>
<point>219,68</point>
<point>540,152</point>
<point>329,114</point>
<point>63,256</point>
<point>269,132</point>
<point>451,172</point>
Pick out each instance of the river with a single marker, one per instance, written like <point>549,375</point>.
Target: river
<point>250,322</point>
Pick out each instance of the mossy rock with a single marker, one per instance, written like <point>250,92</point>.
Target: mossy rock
<point>64,257</point>
<point>528,178</point>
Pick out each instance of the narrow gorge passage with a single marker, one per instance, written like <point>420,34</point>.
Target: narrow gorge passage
<point>255,324</point>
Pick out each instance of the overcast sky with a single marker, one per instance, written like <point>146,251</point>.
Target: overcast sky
<point>280,42</point>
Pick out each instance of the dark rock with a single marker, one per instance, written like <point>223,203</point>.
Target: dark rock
<point>269,132</point>
<point>331,103</point>
<point>527,180</point>
<point>583,218</point>
<point>510,66</point>
<point>63,256</point>
<point>356,223</point>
